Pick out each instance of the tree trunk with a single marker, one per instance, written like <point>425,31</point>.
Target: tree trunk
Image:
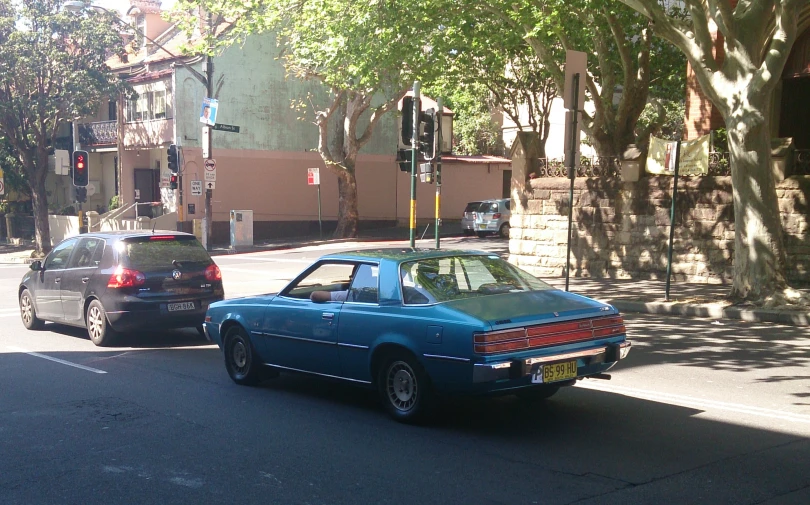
<point>348,216</point>
<point>759,254</point>
<point>39,202</point>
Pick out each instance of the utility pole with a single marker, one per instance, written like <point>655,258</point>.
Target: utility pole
<point>417,110</point>
<point>438,150</point>
<point>209,93</point>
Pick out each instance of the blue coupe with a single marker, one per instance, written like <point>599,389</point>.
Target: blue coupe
<point>417,323</point>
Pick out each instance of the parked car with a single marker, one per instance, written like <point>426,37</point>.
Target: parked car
<point>121,282</point>
<point>493,216</point>
<point>417,323</point>
<point>468,218</point>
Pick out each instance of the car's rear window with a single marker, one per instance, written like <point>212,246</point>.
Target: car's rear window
<point>487,207</point>
<point>436,280</point>
<point>471,207</point>
<point>159,252</point>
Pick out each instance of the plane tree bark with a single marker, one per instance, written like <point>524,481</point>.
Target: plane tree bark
<point>757,38</point>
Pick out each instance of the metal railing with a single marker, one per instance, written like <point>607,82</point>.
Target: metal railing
<point>98,133</point>
<point>595,166</point>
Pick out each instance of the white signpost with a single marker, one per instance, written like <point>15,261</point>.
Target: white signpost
<point>210,170</point>
<point>196,188</point>
<point>314,179</point>
<point>210,185</point>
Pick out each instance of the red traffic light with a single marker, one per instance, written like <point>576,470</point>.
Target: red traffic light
<point>80,166</point>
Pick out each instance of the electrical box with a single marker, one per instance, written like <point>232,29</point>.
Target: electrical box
<point>241,228</point>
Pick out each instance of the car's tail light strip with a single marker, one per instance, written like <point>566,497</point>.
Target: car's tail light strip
<point>126,278</point>
<point>548,334</point>
<point>213,273</point>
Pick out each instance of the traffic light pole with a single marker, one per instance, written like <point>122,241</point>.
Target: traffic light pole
<point>417,109</point>
<point>438,150</point>
<point>209,92</point>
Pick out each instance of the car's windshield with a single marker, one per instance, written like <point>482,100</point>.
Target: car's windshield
<point>488,207</point>
<point>434,280</point>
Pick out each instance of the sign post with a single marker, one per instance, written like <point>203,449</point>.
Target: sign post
<point>314,179</point>
<point>417,109</point>
<point>438,149</point>
<point>676,163</point>
<point>573,96</point>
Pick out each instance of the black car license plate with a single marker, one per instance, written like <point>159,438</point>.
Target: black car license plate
<point>177,307</point>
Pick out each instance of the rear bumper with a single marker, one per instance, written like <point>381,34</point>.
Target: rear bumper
<point>516,372</point>
<point>156,316</point>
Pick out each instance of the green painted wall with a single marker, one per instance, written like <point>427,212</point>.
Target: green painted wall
<point>255,94</point>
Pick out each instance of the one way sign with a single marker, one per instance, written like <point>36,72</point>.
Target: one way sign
<point>210,185</point>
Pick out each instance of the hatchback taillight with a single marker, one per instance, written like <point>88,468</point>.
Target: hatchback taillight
<point>213,273</point>
<point>126,278</point>
<point>497,215</point>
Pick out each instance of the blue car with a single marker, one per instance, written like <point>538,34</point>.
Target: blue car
<point>416,324</point>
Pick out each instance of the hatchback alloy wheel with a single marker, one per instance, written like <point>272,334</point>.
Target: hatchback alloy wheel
<point>98,327</point>
<point>28,313</point>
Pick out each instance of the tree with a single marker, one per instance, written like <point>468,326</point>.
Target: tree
<point>620,41</point>
<point>52,70</point>
<point>757,36</point>
<point>366,54</point>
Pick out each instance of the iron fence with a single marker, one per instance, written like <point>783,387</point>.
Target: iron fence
<point>98,133</point>
<point>595,166</point>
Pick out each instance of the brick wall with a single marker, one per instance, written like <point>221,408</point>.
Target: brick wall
<point>621,229</point>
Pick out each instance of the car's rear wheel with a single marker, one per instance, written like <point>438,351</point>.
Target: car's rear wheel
<point>504,231</point>
<point>536,393</point>
<point>29,313</point>
<point>98,326</point>
<point>405,388</point>
<point>240,358</point>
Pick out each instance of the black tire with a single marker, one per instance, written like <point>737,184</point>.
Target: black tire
<point>29,313</point>
<point>200,330</point>
<point>481,234</point>
<point>504,231</point>
<point>240,358</point>
<point>537,393</point>
<point>405,389</point>
<point>98,326</point>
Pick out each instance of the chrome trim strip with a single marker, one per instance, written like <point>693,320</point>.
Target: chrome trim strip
<point>288,337</point>
<point>316,373</point>
<point>353,346</point>
<point>557,357</point>
<point>446,358</point>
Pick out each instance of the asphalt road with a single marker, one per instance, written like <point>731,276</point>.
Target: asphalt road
<point>700,412</point>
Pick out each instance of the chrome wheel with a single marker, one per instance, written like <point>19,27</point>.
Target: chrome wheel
<point>27,309</point>
<point>95,323</point>
<point>401,386</point>
<point>239,357</point>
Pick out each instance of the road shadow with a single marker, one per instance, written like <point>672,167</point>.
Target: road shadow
<point>181,337</point>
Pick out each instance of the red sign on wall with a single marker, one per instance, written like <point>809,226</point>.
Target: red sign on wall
<point>313,176</point>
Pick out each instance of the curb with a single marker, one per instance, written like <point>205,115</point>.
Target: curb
<point>715,312</point>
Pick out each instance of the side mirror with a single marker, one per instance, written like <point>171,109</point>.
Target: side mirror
<point>36,266</point>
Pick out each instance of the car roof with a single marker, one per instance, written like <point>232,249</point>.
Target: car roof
<point>401,254</point>
<point>124,234</point>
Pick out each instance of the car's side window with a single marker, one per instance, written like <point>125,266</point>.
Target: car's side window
<point>329,277</point>
<point>365,284</point>
<point>508,204</point>
<point>59,256</point>
<point>87,253</point>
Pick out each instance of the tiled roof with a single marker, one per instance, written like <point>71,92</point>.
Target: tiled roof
<point>480,159</point>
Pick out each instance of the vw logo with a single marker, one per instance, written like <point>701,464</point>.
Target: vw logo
<point>176,274</point>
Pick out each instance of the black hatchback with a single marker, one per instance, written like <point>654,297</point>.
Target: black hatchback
<point>126,281</point>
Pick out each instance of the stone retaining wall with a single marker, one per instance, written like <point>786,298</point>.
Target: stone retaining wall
<point>621,229</point>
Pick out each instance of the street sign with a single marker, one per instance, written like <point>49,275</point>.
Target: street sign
<point>226,128</point>
<point>196,188</point>
<point>211,170</point>
<point>313,176</point>
<point>206,141</point>
<point>208,112</point>
<point>210,185</point>
<point>2,184</point>
<point>576,62</point>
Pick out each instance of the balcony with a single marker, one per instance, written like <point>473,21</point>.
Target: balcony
<point>149,133</point>
<point>101,133</point>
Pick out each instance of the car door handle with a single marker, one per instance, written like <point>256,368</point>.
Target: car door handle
<point>328,316</point>
<point>85,279</point>
<point>57,280</point>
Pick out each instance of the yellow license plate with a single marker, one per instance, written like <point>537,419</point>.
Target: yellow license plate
<point>482,226</point>
<point>555,372</point>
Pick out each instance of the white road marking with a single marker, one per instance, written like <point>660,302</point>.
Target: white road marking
<point>700,403</point>
<point>265,259</point>
<point>56,360</point>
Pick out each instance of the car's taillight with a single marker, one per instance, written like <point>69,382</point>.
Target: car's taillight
<point>500,341</point>
<point>497,215</point>
<point>126,278</point>
<point>213,273</point>
<point>548,334</point>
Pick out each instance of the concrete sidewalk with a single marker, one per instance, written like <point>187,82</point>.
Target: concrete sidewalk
<point>641,296</point>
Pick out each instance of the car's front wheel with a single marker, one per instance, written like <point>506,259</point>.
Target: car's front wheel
<point>240,359</point>
<point>29,313</point>
<point>536,393</point>
<point>405,388</point>
<point>98,326</point>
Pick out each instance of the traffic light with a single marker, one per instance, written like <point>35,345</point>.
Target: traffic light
<point>407,120</point>
<point>81,169</point>
<point>427,137</point>
<point>404,159</point>
<point>171,154</point>
<point>173,181</point>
